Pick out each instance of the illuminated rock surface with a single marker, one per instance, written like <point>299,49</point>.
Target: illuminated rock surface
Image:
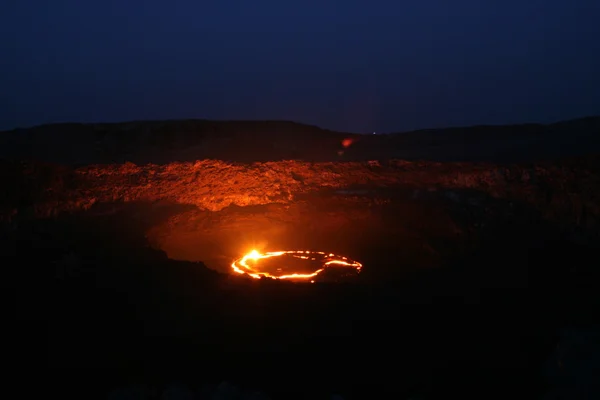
<point>433,209</point>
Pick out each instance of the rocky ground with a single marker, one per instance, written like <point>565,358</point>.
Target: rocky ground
<point>471,269</point>
<point>229,207</point>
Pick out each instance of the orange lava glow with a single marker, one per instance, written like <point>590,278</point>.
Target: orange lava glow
<point>347,142</point>
<point>250,264</point>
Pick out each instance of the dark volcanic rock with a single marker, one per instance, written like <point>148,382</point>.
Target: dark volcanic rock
<point>161,142</point>
<point>497,255</point>
<point>168,141</point>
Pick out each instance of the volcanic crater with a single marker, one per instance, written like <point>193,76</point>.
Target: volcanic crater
<point>128,232</point>
<point>393,216</point>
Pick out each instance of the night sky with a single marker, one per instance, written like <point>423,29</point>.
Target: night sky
<point>358,66</point>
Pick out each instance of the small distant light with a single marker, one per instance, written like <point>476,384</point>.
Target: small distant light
<point>374,133</point>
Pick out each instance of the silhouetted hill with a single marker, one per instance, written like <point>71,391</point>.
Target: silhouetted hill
<point>167,141</point>
<point>248,141</point>
<point>499,143</point>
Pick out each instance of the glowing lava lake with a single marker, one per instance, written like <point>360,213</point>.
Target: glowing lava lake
<point>295,265</point>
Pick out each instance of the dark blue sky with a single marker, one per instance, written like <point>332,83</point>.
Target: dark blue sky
<point>345,64</point>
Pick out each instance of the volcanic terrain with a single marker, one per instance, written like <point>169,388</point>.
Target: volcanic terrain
<point>477,245</point>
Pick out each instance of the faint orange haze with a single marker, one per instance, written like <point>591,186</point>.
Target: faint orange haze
<point>348,142</point>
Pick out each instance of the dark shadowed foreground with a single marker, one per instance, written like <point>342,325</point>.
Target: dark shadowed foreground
<point>98,308</point>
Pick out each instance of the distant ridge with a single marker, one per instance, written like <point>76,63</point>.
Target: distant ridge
<point>166,141</point>
<point>593,120</point>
